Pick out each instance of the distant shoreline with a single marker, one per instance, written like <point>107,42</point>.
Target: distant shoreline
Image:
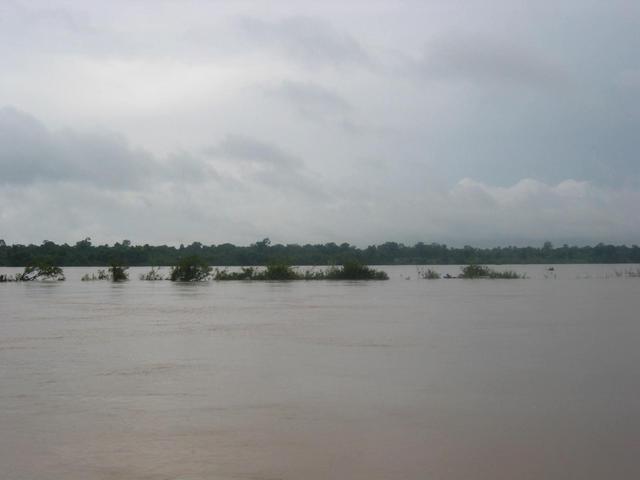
<point>85,254</point>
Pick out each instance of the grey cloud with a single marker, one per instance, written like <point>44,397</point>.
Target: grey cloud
<point>246,149</point>
<point>17,15</point>
<point>266,163</point>
<point>629,78</point>
<point>488,61</point>
<point>307,40</point>
<point>316,103</point>
<point>471,212</point>
<point>44,29</point>
<point>311,99</point>
<point>29,153</point>
<point>187,168</point>
<point>548,92</point>
<point>324,107</point>
<point>529,209</point>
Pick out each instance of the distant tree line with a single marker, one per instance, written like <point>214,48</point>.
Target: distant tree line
<point>84,253</point>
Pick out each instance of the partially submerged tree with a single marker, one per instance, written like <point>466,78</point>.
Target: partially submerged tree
<point>245,273</point>
<point>42,270</point>
<point>278,271</point>
<point>428,274</point>
<point>118,273</point>
<point>102,275</point>
<point>190,269</point>
<point>351,270</point>
<point>152,275</point>
<point>354,270</point>
<point>482,271</point>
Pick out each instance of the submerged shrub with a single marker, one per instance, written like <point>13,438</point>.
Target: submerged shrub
<point>475,271</point>
<point>246,273</point>
<point>118,273</point>
<point>354,270</point>
<point>101,275</point>
<point>632,273</point>
<point>190,269</point>
<point>482,271</point>
<point>428,274</point>
<point>284,271</point>
<point>42,270</point>
<point>153,275</point>
<point>278,271</point>
<point>507,274</point>
<point>314,275</point>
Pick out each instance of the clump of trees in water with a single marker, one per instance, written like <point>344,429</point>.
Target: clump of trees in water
<point>428,274</point>
<point>42,270</point>
<point>263,252</point>
<point>277,271</point>
<point>118,272</point>
<point>482,271</point>
<point>153,275</point>
<point>354,270</point>
<point>195,269</point>
<point>472,271</point>
<point>115,273</point>
<point>101,275</point>
<point>351,270</point>
<point>190,269</point>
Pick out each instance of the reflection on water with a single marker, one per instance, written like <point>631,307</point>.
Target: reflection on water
<point>405,379</point>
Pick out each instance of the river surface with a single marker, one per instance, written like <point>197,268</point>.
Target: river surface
<point>405,379</point>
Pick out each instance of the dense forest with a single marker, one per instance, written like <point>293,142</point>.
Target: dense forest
<point>84,253</point>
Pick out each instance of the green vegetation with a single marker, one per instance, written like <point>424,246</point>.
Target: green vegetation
<point>102,275</point>
<point>428,274</point>
<point>482,271</point>
<point>273,271</point>
<point>152,275</point>
<point>351,270</point>
<point>246,273</point>
<point>475,271</point>
<point>118,273</point>
<point>43,270</point>
<point>190,269</point>
<point>277,271</point>
<point>115,273</point>
<point>84,253</point>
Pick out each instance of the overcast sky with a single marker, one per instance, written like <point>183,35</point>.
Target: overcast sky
<point>464,122</point>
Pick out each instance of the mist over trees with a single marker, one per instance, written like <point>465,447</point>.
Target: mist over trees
<point>85,253</point>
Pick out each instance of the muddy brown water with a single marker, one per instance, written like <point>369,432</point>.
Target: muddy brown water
<point>405,379</point>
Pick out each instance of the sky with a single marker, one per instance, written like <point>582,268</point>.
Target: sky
<point>461,122</point>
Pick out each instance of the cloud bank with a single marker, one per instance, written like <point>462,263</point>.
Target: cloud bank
<point>458,122</point>
<point>66,185</point>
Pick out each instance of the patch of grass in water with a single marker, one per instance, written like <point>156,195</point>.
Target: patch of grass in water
<point>482,271</point>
